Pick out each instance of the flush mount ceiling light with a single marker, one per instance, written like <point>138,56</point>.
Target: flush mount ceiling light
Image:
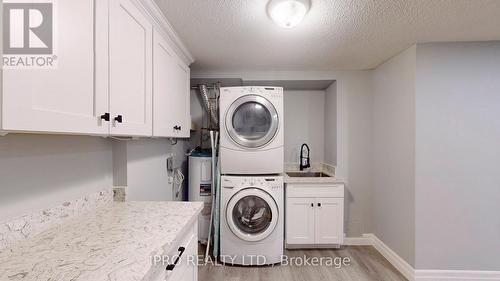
<point>288,13</point>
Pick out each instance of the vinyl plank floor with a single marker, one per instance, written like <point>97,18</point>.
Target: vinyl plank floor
<point>366,264</point>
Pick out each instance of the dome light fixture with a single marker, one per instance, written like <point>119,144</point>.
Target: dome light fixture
<point>288,13</point>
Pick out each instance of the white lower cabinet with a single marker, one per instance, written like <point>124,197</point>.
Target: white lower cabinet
<point>329,220</point>
<point>300,220</point>
<point>186,269</point>
<point>186,250</point>
<point>314,215</point>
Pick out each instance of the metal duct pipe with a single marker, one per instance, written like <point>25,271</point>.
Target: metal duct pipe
<point>203,89</point>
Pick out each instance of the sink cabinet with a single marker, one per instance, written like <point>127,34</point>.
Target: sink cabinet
<point>314,215</point>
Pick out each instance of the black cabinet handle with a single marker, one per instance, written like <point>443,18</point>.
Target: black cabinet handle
<point>312,204</point>
<point>105,116</point>
<point>319,204</point>
<point>171,267</point>
<point>119,119</point>
<point>176,127</point>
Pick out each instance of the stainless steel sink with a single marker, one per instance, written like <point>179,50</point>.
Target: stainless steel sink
<point>307,175</point>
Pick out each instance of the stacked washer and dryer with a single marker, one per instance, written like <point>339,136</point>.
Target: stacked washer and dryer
<point>252,163</point>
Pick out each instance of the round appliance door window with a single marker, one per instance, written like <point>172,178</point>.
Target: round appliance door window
<point>252,121</point>
<point>252,214</point>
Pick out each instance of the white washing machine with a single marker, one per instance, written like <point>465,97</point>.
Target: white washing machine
<point>252,220</point>
<point>251,124</point>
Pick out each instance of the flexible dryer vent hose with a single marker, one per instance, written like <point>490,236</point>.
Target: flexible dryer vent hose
<point>206,102</point>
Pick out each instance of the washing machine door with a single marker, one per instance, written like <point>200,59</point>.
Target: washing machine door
<point>252,214</point>
<point>252,121</point>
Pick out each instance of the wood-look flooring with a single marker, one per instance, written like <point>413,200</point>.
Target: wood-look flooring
<point>366,264</point>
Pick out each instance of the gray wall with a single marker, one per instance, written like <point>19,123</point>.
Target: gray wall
<point>331,124</point>
<point>140,165</point>
<point>458,154</point>
<point>147,178</point>
<point>436,136</point>
<point>304,123</point>
<point>393,165</point>
<point>354,99</point>
<point>40,171</point>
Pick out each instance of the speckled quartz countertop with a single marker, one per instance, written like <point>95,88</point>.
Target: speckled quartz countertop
<point>113,242</point>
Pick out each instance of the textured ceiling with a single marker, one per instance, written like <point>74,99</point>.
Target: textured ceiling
<point>336,34</point>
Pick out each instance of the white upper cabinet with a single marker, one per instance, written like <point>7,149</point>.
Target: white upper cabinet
<point>102,81</point>
<point>130,70</point>
<point>171,108</point>
<point>183,98</point>
<point>63,98</point>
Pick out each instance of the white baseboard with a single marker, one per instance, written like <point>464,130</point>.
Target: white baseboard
<point>400,264</point>
<point>420,275</point>
<point>456,275</point>
<point>358,241</point>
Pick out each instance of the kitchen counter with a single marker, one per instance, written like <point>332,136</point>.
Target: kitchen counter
<point>315,167</point>
<point>113,242</point>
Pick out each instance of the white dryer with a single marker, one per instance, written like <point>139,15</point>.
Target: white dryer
<point>251,125</point>
<point>252,220</point>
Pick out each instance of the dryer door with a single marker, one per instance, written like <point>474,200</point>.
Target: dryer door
<point>252,214</point>
<point>252,121</point>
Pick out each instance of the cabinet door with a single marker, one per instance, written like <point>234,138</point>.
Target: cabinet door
<point>64,98</point>
<point>130,69</point>
<point>191,271</point>
<point>171,113</point>
<point>186,269</point>
<point>184,89</point>
<point>300,221</point>
<point>329,221</point>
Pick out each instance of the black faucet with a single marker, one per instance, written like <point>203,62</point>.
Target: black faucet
<point>305,161</point>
